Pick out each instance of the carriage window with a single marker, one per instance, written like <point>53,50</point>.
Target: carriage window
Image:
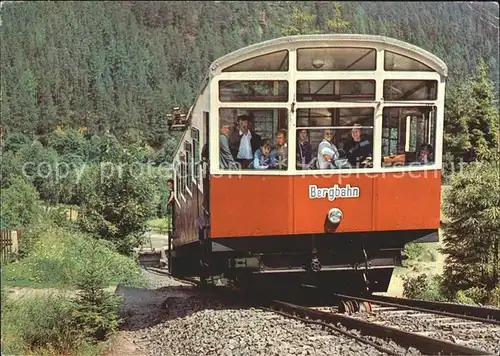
<point>336,58</point>
<point>183,170</point>
<point>410,89</point>
<point>335,138</point>
<point>408,136</point>
<point>398,62</point>
<point>253,139</point>
<point>335,90</point>
<point>189,165</point>
<point>195,134</point>
<point>269,90</point>
<point>277,61</point>
<point>178,185</point>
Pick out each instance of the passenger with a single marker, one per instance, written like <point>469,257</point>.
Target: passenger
<point>225,157</point>
<point>243,142</point>
<point>326,143</point>
<point>282,148</point>
<point>358,148</point>
<point>304,149</point>
<point>263,159</point>
<point>327,153</point>
<point>425,156</point>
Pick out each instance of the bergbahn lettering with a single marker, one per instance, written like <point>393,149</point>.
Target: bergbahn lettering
<point>333,192</point>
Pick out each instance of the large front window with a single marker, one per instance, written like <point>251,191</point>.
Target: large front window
<point>334,138</point>
<point>408,136</point>
<point>253,139</point>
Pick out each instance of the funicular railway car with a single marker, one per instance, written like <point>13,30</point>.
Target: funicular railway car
<point>321,160</point>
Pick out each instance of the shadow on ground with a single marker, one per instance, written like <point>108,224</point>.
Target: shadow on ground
<point>142,307</point>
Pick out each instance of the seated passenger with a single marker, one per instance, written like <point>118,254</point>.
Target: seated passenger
<point>304,150</point>
<point>327,154</point>
<point>425,156</point>
<point>263,159</point>
<point>326,143</point>
<point>358,148</point>
<point>225,156</point>
<point>282,149</point>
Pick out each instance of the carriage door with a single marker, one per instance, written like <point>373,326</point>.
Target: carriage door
<point>206,167</point>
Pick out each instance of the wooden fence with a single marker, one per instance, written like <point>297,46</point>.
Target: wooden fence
<point>9,244</point>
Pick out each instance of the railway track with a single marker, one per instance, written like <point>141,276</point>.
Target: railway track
<point>470,326</point>
<point>425,344</point>
<point>371,328</point>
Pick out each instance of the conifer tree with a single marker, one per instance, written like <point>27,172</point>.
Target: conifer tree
<point>484,119</point>
<point>471,241</point>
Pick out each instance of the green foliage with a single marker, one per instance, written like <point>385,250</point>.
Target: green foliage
<point>125,64</point>
<point>301,22</point>
<point>116,200</point>
<point>484,121</point>
<point>337,24</point>
<point>39,321</point>
<point>19,205</point>
<point>471,239</point>
<point>423,287</point>
<point>415,253</point>
<point>57,257</point>
<point>15,141</point>
<point>97,309</point>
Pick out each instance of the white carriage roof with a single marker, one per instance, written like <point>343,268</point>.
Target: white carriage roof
<point>326,40</point>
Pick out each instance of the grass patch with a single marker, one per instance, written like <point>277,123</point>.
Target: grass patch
<point>57,256</point>
<point>160,225</point>
<point>43,324</point>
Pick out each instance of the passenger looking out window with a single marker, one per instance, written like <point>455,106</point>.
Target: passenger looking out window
<point>304,150</point>
<point>358,149</point>
<point>425,156</point>
<point>225,156</point>
<point>263,157</point>
<point>281,148</point>
<point>243,142</point>
<point>327,153</point>
<point>346,131</point>
<point>408,136</point>
<point>333,153</point>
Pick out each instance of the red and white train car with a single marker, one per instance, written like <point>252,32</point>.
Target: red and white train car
<point>323,160</point>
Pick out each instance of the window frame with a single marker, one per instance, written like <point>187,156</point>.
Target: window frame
<point>434,125</point>
<point>371,49</point>
<point>195,136</point>
<point>293,75</point>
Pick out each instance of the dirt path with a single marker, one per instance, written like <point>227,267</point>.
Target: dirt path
<point>142,308</point>
<point>123,344</point>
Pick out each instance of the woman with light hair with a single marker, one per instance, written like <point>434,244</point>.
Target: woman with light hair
<point>327,149</point>
<point>327,153</point>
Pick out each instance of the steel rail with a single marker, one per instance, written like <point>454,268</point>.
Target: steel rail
<point>424,344</point>
<point>472,313</point>
<point>330,326</point>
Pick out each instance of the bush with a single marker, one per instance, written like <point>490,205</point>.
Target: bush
<point>423,287</point>
<point>471,242</point>
<point>116,202</point>
<point>39,321</point>
<point>56,257</point>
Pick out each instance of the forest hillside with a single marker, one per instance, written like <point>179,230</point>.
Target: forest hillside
<point>119,67</point>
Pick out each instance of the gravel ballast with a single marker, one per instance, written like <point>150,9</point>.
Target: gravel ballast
<point>173,318</point>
